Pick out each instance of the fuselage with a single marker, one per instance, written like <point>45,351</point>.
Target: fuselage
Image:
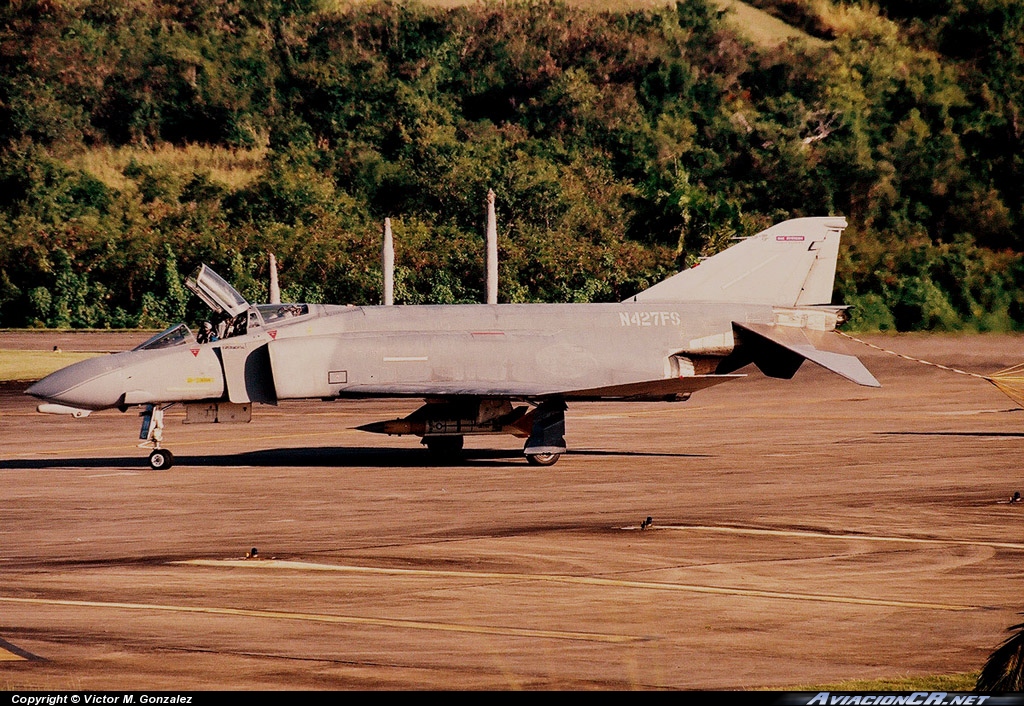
<point>350,351</point>
<point>398,350</point>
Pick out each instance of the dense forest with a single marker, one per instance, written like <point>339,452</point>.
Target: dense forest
<point>139,138</point>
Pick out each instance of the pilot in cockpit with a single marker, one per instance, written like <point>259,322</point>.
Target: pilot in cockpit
<point>206,334</point>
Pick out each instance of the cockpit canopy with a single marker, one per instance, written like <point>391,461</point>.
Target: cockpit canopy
<point>216,292</point>
<point>272,313</point>
<point>176,335</point>
<point>235,315</point>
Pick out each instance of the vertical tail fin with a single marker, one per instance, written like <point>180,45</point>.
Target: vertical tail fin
<point>792,263</point>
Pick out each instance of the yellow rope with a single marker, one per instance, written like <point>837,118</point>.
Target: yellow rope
<point>1009,381</point>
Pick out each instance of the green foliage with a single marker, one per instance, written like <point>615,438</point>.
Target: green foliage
<point>917,285</point>
<point>40,302</point>
<point>9,292</point>
<point>621,146</point>
<point>870,312</point>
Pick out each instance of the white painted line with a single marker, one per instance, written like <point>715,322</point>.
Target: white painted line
<point>844,537</point>
<point>580,580</point>
<point>336,619</point>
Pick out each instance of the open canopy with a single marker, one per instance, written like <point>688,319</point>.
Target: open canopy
<point>216,292</point>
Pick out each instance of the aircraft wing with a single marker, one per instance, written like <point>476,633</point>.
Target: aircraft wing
<point>650,389</point>
<point>445,389</point>
<point>640,390</point>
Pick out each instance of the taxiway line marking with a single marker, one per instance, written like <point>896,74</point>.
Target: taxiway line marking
<point>338,619</point>
<point>582,580</point>
<point>845,537</point>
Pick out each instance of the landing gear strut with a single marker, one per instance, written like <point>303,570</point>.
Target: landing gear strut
<point>152,433</point>
<point>547,436</point>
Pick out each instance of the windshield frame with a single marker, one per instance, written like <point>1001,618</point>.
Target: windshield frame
<point>171,337</point>
<point>275,313</point>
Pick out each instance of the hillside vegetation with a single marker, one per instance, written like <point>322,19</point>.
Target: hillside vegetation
<point>139,138</point>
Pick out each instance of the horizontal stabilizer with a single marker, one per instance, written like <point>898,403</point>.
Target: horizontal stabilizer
<point>799,341</point>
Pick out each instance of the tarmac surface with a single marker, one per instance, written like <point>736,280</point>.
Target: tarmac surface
<point>803,532</point>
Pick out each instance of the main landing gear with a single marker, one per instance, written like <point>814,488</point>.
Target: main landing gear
<point>443,426</point>
<point>547,434</point>
<point>545,459</point>
<point>544,426</point>
<point>152,433</point>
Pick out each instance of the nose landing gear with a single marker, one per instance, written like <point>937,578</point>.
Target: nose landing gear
<point>161,459</point>
<point>152,433</point>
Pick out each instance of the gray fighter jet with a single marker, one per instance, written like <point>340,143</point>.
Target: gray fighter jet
<point>485,369</point>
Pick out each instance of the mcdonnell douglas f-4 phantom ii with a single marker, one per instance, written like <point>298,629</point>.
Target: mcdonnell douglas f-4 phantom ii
<point>486,369</point>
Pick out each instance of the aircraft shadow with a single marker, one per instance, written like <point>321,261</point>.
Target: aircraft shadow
<point>319,457</point>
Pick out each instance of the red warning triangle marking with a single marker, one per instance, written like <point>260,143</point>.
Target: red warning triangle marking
<point>195,352</point>
<point>272,334</point>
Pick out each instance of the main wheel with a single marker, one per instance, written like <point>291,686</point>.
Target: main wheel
<point>549,459</point>
<point>161,460</point>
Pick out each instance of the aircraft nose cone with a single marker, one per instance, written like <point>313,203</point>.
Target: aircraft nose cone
<point>53,385</point>
<point>88,384</point>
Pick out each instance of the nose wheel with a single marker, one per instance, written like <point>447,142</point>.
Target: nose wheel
<point>161,459</point>
<point>152,433</point>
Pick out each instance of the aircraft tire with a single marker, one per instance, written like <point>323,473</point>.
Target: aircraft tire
<point>161,459</point>
<point>542,459</point>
